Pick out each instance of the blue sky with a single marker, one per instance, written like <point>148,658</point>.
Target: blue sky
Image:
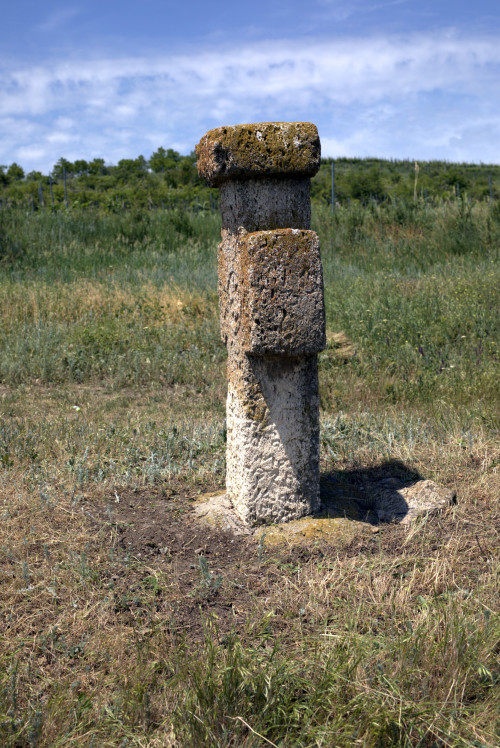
<point>115,79</point>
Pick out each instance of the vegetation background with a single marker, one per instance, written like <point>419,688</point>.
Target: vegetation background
<point>112,388</point>
<point>167,179</point>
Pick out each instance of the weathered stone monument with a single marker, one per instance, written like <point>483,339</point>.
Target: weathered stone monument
<point>272,314</point>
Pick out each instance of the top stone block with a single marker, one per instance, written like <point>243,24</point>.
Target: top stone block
<point>263,149</point>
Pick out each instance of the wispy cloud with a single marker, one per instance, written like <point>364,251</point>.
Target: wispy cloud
<point>425,96</point>
<point>342,9</point>
<point>58,19</point>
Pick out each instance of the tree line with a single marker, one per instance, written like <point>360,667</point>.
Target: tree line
<point>168,179</point>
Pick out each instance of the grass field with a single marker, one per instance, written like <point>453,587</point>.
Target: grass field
<point>122,621</point>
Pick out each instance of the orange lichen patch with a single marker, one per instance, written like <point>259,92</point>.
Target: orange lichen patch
<point>253,402</point>
<point>308,529</point>
<point>263,149</point>
<point>203,498</point>
<point>247,390</point>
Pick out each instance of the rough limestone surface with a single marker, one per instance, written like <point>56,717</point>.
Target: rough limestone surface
<point>272,315</point>
<point>271,203</point>
<point>396,502</point>
<point>271,292</point>
<point>263,149</point>
<point>284,309</point>
<point>272,452</point>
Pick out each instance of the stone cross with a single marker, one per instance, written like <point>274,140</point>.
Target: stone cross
<point>271,313</point>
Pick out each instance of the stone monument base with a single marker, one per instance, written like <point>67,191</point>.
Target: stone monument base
<point>381,501</point>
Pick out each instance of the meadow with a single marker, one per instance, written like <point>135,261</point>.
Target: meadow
<point>125,625</point>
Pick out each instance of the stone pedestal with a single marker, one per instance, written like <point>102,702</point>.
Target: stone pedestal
<point>272,314</point>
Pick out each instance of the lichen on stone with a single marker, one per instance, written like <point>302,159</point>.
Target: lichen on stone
<point>262,149</point>
<point>281,278</point>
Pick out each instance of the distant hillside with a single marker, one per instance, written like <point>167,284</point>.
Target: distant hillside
<point>169,179</point>
<point>380,179</point>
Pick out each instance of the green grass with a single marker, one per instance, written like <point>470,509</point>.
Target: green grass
<point>419,299</point>
<point>112,384</point>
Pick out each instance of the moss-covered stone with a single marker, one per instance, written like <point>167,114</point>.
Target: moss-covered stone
<point>263,149</point>
<point>282,282</point>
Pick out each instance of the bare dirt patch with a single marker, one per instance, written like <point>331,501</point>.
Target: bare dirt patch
<point>199,568</point>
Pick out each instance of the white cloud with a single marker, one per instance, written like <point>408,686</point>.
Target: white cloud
<point>379,96</point>
<point>31,154</point>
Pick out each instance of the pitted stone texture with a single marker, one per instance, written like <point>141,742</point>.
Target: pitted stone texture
<point>272,203</point>
<point>273,438</point>
<point>272,314</point>
<point>263,149</point>
<point>283,282</point>
<point>397,502</point>
<point>271,293</point>
<point>231,299</point>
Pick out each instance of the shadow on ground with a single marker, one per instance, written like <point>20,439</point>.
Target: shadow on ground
<point>356,494</point>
